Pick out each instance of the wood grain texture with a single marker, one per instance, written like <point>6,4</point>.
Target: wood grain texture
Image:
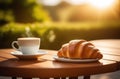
<point>47,67</point>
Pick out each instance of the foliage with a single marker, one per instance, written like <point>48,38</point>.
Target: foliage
<point>53,35</point>
<point>24,11</point>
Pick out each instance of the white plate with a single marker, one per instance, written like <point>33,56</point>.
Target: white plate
<point>19,55</point>
<point>74,60</point>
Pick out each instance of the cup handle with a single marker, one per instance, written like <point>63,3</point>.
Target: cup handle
<point>13,45</point>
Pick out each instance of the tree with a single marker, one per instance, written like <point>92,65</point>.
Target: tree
<point>24,11</point>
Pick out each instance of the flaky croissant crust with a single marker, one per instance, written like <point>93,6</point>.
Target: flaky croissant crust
<point>81,49</point>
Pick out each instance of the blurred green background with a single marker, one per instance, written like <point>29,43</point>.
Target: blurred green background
<point>58,21</point>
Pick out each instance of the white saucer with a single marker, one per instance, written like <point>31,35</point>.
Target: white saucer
<point>19,55</point>
<point>74,60</point>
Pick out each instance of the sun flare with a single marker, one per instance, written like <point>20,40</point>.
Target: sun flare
<point>75,2</point>
<point>101,3</point>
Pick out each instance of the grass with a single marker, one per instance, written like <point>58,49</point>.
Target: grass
<point>53,35</point>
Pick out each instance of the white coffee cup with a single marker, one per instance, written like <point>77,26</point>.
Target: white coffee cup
<point>27,45</point>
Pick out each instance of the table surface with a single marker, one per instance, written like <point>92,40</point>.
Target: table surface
<point>46,66</point>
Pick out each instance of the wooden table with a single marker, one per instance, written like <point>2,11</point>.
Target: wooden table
<point>46,67</point>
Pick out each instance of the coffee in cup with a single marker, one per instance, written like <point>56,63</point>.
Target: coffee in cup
<point>27,45</point>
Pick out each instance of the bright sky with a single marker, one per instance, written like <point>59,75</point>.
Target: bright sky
<point>49,2</point>
<point>96,3</point>
<point>75,2</point>
<point>101,4</point>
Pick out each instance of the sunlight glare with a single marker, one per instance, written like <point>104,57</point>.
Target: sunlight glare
<point>75,2</point>
<point>50,2</point>
<point>101,3</point>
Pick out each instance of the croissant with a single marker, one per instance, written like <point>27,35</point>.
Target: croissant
<point>81,49</point>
